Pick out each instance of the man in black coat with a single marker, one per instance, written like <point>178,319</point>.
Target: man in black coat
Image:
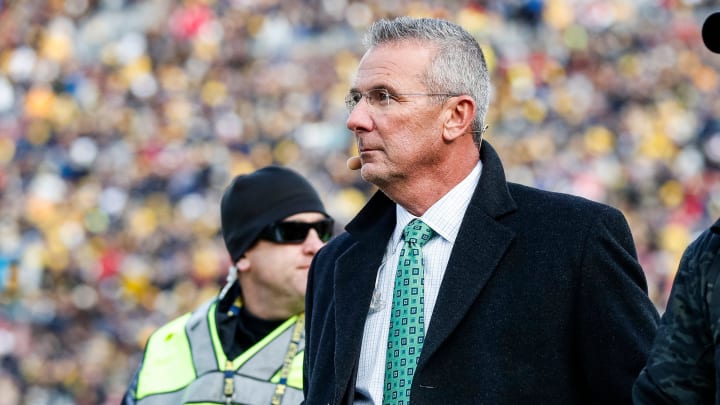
<point>529,296</point>
<point>684,365</point>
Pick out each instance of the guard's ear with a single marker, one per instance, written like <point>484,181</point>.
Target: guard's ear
<point>460,114</point>
<point>243,264</point>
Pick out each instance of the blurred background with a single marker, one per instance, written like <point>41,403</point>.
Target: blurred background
<point>122,121</point>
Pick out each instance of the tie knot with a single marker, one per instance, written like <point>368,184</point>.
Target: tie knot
<point>417,232</point>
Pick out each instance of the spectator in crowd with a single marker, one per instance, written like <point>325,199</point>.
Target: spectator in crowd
<point>683,365</point>
<point>453,285</point>
<point>246,346</point>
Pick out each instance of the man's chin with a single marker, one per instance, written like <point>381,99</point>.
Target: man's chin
<point>373,173</point>
<point>369,171</point>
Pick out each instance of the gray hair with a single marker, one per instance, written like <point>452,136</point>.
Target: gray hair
<point>458,66</point>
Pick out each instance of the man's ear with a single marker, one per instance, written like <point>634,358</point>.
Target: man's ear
<point>460,114</point>
<point>243,264</point>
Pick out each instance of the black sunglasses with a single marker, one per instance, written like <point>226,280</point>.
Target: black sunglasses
<point>297,232</point>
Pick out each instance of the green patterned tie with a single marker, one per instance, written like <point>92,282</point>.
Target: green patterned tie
<point>406,334</point>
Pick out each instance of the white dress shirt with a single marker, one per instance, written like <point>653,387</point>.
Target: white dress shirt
<point>444,217</point>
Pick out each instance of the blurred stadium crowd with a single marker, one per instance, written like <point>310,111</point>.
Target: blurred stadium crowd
<point>121,122</point>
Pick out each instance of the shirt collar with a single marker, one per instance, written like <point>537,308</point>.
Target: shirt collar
<point>442,216</point>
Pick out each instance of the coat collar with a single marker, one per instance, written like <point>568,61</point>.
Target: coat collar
<point>491,197</point>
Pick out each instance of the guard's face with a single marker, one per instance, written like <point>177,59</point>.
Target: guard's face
<point>274,275</point>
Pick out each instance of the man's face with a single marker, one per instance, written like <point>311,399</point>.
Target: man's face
<point>275,274</point>
<point>400,137</point>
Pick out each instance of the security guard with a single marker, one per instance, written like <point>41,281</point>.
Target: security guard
<point>245,346</point>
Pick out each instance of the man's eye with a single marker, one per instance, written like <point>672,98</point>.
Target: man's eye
<point>381,95</point>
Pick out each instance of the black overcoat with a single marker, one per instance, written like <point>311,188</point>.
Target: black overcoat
<point>543,302</point>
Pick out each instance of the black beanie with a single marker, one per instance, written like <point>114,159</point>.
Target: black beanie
<point>253,201</point>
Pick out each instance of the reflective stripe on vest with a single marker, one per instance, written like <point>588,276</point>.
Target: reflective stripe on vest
<point>208,389</point>
<point>256,370</point>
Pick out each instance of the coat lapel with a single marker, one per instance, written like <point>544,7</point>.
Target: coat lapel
<point>465,276</point>
<point>355,274</point>
<point>480,245</point>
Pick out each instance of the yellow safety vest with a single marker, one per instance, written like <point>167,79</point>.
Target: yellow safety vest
<point>184,363</point>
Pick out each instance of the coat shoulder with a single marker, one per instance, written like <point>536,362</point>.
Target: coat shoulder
<point>556,205</point>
